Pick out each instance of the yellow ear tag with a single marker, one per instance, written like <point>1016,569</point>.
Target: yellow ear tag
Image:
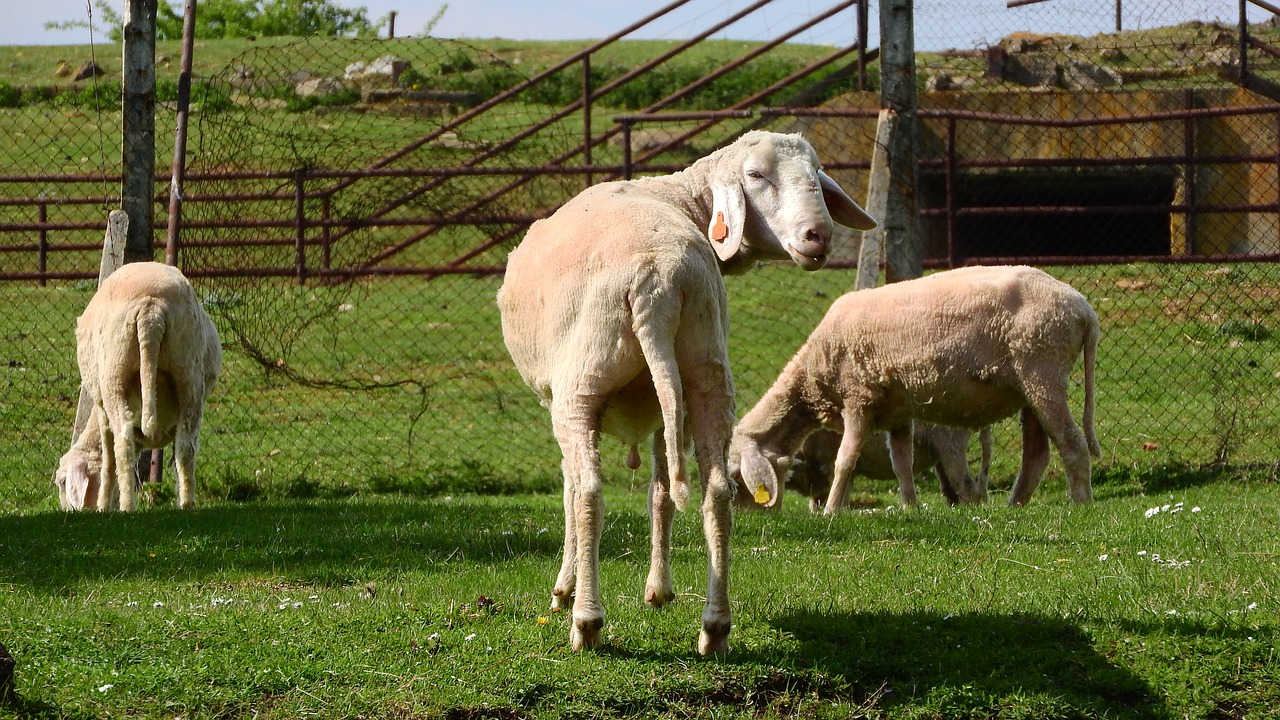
<point>719,231</point>
<point>762,495</point>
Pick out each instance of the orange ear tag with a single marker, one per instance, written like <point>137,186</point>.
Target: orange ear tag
<point>719,231</point>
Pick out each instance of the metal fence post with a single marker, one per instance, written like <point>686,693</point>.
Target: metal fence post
<point>300,225</point>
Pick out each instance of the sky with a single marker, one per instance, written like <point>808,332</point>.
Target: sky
<point>940,24</point>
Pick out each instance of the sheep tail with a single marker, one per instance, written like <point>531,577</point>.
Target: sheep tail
<point>660,356</point>
<point>151,329</point>
<point>1090,359</point>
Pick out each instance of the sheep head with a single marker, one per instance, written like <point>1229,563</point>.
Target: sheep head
<point>759,475</point>
<point>771,200</point>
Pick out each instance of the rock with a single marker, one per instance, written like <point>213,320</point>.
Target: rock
<point>1222,58</point>
<point>646,139</point>
<point>62,70</point>
<point>242,78</point>
<point>1082,75</point>
<point>385,71</point>
<point>1112,55</point>
<point>940,82</point>
<point>1222,37</point>
<point>87,70</point>
<point>1032,70</point>
<point>319,86</point>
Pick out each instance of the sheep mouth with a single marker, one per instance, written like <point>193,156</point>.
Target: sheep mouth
<point>807,261</point>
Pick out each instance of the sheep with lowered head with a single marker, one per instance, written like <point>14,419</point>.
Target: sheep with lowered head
<point>963,348</point>
<point>614,311</point>
<point>149,356</point>
<point>945,450</point>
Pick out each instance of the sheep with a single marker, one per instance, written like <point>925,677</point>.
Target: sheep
<point>943,449</point>
<point>149,356</point>
<point>615,314</point>
<point>963,348</point>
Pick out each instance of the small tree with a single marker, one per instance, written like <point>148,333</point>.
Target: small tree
<point>242,18</point>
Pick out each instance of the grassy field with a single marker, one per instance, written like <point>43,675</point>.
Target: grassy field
<point>1157,601</point>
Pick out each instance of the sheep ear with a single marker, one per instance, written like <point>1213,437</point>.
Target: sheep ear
<point>728,213</point>
<point>758,475</point>
<point>842,207</point>
<point>81,486</point>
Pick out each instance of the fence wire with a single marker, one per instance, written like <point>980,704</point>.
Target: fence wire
<point>353,281</point>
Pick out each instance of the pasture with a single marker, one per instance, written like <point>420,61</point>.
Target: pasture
<point>1158,601</point>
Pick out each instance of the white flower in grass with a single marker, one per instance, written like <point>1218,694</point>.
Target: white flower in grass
<point>105,688</point>
<point>1103,557</point>
<point>157,604</point>
<point>470,637</point>
<point>1195,509</point>
<point>1252,606</point>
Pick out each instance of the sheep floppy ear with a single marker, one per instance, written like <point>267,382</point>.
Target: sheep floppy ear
<point>81,489</point>
<point>728,214</point>
<point>842,207</point>
<point>758,475</point>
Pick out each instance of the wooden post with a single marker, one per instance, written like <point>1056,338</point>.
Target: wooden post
<point>138,163</point>
<point>871,252</point>
<point>112,258</point>
<point>903,245</point>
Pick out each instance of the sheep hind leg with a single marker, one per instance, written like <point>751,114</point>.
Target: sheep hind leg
<point>658,588</point>
<point>711,419</point>
<point>855,431</point>
<point>1055,416</point>
<point>186,445</point>
<point>578,442</point>
<point>566,579</point>
<point>126,457</point>
<point>1035,458</point>
<point>901,456</point>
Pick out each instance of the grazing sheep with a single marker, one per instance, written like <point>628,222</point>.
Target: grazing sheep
<point>149,355</point>
<point>942,449</point>
<point>963,348</point>
<point>615,314</point>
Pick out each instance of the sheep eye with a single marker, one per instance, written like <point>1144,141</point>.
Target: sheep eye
<point>755,174</point>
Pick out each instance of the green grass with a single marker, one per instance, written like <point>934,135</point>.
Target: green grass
<point>372,607</point>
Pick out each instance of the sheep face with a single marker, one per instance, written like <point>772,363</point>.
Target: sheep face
<point>788,206</point>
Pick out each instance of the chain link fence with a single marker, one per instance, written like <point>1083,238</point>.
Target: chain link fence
<point>348,239</point>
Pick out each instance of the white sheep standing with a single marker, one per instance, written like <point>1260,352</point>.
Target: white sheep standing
<point>962,348</point>
<point>945,450</point>
<point>614,311</point>
<point>149,355</point>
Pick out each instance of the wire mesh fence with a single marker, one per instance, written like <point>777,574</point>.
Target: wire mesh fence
<point>348,239</point>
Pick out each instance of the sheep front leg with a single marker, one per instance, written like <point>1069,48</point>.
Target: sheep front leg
<point>855,429</point>
<point>901,453</point>
<point>658,588</point>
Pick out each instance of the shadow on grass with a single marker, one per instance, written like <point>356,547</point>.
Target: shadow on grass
<point>321,541</point>
<point>972,665</point>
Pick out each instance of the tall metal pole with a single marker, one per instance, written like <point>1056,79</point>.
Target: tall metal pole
<point>178,169</point>
<point>137,189</point>
<point>903,245</point>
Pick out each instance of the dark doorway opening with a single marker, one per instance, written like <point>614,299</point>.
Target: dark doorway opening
<point>1131,216</point>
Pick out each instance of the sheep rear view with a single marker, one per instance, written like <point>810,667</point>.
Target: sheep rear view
<point>962,348</point>
<point>148,355</point>
<point>614,312</point>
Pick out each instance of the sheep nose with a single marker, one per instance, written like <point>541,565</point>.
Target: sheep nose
<point>817,235</point>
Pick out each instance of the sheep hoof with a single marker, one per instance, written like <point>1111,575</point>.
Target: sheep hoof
<point>656,598</point>
<point>713,643</point>
<point>584,634</point>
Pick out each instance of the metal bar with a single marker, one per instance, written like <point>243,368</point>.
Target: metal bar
<point>863,20</point>
<point>1189,175</point>
<point>1266,6</point>
<point>300,224</point>
<point>42,260</point>
<point>180,134</point>
<point>586,115</point>
<point>953,251</point>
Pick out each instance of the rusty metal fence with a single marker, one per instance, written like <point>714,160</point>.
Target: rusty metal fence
<point>348,235</point>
